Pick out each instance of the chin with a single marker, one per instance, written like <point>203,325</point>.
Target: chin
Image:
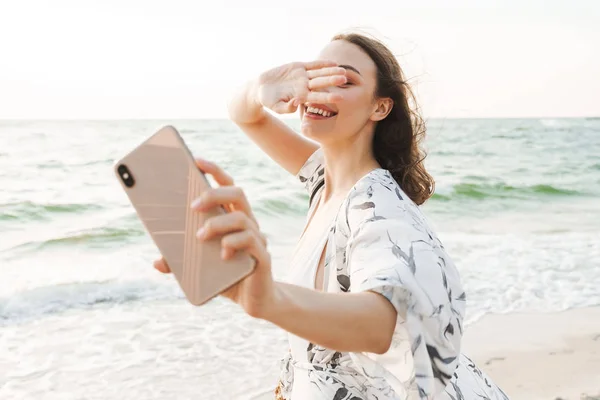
<point>319,132</point>
<point>318,135</point>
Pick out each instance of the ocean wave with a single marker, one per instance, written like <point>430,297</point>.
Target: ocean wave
<point>481,191</point>
<point>52,164</point>
<point>551,123</point>
<point>96,237</point>
<point>28,210</point>
<point>281,206</point>
<point>35,303</point>
<point>106,161</point>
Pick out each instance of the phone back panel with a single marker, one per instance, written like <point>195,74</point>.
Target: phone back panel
<point>166,180</point>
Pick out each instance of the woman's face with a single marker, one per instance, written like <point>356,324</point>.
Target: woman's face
<point>354,112</point>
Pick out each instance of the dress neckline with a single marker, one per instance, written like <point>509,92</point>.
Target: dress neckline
<point>313,209</point>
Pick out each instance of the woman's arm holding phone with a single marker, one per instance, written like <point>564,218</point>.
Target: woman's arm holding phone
<point>340,321</point>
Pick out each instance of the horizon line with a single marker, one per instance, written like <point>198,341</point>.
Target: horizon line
<point>283,118</point>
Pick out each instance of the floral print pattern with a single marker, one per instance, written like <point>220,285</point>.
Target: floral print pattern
<point>380,241</point>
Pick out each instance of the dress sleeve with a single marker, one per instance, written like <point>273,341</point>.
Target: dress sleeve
<point>391,251</point>
<point>312,174</point>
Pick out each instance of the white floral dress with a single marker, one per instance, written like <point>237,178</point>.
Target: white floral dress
<point>380,241</point>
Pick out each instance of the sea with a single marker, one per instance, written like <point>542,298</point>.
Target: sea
<point>83,314</point>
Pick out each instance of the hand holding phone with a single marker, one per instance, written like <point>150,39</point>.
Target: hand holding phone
<point>162,181</point>
<point>240,232</point>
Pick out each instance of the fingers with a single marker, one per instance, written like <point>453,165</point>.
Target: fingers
<point>237,241</point>
<point>235,221</point>
<point>323,97</point>
<point>231,222</point>
<point>162,266</point>
<point>238,233</point>
<point>232,198</point>
<point>289,107</point>
<point>330,71</point>
<point>221,177</point>
<point>247,241</point>
<point>319,64</point>
<point>326,81</point>
<point>223,196</point>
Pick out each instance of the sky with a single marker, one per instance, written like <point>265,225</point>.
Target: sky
<point>129,59</point>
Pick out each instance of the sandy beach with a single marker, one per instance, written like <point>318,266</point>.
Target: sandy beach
<point>540,356</point>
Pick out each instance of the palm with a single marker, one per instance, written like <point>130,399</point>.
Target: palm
<point>279,86</point>
<point>283,88</point>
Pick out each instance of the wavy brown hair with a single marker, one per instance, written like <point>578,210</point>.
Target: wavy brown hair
<point>397,138</point>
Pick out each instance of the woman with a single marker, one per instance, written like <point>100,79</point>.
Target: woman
<point>374,305</point>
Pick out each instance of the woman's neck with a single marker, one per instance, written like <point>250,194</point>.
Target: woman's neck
<point>345,164</point>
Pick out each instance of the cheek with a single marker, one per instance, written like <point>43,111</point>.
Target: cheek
<point>356,104</point>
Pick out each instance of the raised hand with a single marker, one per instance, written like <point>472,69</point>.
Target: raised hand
<point>284,88</point>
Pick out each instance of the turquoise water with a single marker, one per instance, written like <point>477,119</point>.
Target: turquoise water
<point>83,312</point>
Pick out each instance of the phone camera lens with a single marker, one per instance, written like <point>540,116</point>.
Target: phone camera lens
<point>125,175</point>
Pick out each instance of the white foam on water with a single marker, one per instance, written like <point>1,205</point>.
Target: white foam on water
<point>143,350</point>
<point>506,273</point>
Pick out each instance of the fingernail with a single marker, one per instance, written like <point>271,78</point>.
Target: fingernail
<point>223,253</point>
<point>196,203</point>
<point>200,233</point>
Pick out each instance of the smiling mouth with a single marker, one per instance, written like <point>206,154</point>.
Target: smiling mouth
<point>318,113</point>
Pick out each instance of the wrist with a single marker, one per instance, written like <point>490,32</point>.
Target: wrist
<point>245,107</point>
<point>253,101</point>
<point>276,305</point>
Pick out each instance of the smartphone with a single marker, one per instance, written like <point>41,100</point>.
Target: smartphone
<point>161,179</point>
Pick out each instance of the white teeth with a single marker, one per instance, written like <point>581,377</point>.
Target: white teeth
<point>314,110</point>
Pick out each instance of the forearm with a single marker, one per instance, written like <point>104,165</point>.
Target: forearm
<point>346,322</point>
<point>273,136</point>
